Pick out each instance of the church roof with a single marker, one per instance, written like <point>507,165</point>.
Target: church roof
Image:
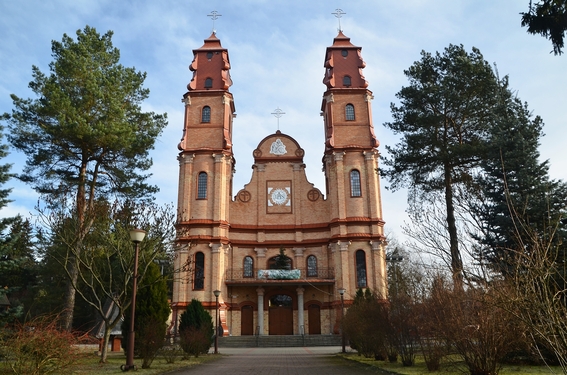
<point>341,40</point>
<point>212,42</point>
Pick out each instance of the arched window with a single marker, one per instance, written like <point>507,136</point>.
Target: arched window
<point>248,266</point>
<point>202,186</point>
<point>206,114</point>
<point>361,269</point>
<point>349,112</point>
<point>311,266</point>
<point>199,281</point>
<point>208,83</point>
<point>355,183</point>
<point>346,81</point>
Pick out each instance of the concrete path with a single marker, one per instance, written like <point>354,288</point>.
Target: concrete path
<point>279,361</point>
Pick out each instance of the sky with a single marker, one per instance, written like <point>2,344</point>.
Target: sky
<point>276,50</point>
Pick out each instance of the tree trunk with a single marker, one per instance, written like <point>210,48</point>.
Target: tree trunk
<point>70,292</point>
<point>72,260</point>
<point>105,340</point>
<point>456,261</point>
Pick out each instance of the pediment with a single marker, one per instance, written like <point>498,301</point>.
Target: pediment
<point>278,147</point>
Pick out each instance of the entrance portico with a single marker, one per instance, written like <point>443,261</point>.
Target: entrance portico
<point>280,307</point>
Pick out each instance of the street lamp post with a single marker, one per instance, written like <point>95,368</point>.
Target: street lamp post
<point>395,258</point>
<point>217,294</point>
<point>137,236</point>
<point>343,340</point>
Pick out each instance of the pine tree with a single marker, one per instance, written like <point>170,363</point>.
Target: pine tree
<point>85,135</point>
<point>443,120</point>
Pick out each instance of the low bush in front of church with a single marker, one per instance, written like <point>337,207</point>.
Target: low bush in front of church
<point>196,329</point>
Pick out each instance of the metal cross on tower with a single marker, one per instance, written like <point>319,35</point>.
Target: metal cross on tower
<point>339,13</point>
<point>214,16</point>
<point>278,113</point>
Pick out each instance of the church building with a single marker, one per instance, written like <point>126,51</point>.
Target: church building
<point>280,250</point>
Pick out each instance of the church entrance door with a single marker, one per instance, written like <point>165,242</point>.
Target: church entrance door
<point>247,320</point>
<point>314,316</point>
<point>281,315</point>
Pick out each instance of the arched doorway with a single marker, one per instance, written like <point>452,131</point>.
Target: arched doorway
<point>314,316</point>
<point>247,320</point>
<point>281,315</point>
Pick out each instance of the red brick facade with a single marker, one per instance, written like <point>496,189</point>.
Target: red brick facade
<point>334,238</point>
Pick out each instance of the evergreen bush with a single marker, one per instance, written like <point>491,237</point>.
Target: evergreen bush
<point>196,329</point>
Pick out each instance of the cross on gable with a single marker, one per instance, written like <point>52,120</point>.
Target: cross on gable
<point>277,114</point>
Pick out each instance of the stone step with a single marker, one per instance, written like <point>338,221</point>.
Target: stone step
<point>279,341</point>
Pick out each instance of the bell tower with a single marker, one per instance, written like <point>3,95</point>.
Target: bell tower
<point>206,166</point>
<point>351,168</point>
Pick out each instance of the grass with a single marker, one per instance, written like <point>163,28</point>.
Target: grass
<point>88,363</point>
<point>450,366</point>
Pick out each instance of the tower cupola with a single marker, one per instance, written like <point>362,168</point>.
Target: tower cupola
<point>344,64</point>
<point>210,67</point>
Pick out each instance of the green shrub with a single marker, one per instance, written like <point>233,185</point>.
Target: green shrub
<point>196,329</point>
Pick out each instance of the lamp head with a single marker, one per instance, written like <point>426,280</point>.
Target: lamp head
<point>342,291</point>
<point>216,293</point>
<point>137,235</point>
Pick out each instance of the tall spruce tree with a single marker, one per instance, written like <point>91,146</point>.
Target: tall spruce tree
<point>85,134</point>
<point>10,260</point>
<point>518,196</point>
<point>443,119</point>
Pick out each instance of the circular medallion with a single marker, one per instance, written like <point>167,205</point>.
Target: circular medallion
<point>244,196</point>
<point>313,195</point>
<point>279,197</point>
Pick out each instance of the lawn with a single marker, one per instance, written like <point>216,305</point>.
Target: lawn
<point>448,367</point>
<point>88,363</point>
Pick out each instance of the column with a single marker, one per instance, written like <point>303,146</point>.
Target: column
<point>260,292</point>
<point>300,318</point>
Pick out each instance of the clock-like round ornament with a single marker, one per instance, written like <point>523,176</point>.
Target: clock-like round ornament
<point>279,196</point>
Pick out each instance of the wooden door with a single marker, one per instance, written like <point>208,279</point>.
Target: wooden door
<point>314,316</point>
<point>281,320</point>
<point>247,320</point>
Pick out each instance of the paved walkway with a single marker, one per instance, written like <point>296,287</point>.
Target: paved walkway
<point>279,361</point>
